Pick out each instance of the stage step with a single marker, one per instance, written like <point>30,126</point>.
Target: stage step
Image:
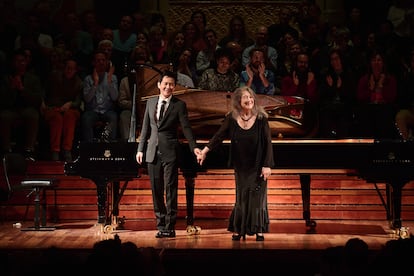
<point>335,196</point>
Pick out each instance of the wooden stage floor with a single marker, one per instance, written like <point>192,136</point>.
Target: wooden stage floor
<point>287,241</point>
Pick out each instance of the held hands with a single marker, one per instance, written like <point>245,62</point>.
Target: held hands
<point>201,155</point>
<point>266,172</point>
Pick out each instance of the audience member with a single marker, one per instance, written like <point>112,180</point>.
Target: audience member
<point>142,38</point>
<point>337,98</point>
<point>175,46</point>
<point>388,43</point>
<point>206,58</point>
<point>279,29</point>
<point>220,78</point>
<point>256,76</point>
<point>401,15</point>
<point>270,53</point>
<point>192,37</point>
<point>199,18</point>
<point>100,95</point>
<point>301,81</point>
<point>376,99</point>
<point>157,45</point>
<point>106,46</point>
<point>107,33</point>
<point>186,65</point>
<point>80,42</point>
<point>287,62</point>
<point>158,19</point>
<point>33,38</point>
<point>141,22</point>
<point>237,32</point>
<point>90,24</point>
<point>61,109</point>
<point>123,43</point>
<point>140,55</point>
<point>404,118</point>
<point>394,258</point>
<point>38,44</point>
<point>313,44</point>
<point>283,45</point>
<point>21,95</point>
<point>236,51</point>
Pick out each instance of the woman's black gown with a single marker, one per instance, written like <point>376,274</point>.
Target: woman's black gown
<point>250,151</point>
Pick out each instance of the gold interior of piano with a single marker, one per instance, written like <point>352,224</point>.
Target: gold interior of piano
<point>208,108</point>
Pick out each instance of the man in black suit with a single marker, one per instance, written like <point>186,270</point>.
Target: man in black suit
<point>159,137</point>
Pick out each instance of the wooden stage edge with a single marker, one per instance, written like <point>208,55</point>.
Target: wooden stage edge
<point>283,234</point>
<point>287,248</point>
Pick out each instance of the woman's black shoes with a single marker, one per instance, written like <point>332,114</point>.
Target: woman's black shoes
<point>237,237</point>
<point>259,237</point>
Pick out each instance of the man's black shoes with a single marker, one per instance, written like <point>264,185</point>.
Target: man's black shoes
<point>165,234</point>
<point>159,235</point>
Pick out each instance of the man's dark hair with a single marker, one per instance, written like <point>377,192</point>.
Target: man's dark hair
<point>168,73</point>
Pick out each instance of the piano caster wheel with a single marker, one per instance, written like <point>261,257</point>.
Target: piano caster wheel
<point>403,232</point>
<point>198,230</point>
<point>108,229</point>
<point>310,226</point>
<point>121,222</point>
<point>193,230</point>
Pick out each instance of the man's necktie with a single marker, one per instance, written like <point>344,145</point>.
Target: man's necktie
<point>162,109</point>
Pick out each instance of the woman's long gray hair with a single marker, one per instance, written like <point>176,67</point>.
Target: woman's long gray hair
<point>236,103</point>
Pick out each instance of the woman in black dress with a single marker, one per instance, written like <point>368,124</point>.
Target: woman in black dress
<point>251,155</point>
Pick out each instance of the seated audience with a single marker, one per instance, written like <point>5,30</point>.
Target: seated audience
<point>100,95</point>
<point>376,100</point>
<point>21,95</point>
<point>237,32</point>
<point>256,76</point>
<point>301,81</point>
<point>261,41</point>
<point>220,78</point>
<point>236,51</point>
<point>337,98</point>
<point>206,58</point>
<point>186,65</point>
<point>61,109</point>
<point>175,47</point>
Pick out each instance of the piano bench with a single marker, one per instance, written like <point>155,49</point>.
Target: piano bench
<point>39,186</point>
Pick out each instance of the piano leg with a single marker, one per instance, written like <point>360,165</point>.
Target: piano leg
<point>102,195</point>
<point>117,193</point>
<point>305,181</point>
<point>396,193</point>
